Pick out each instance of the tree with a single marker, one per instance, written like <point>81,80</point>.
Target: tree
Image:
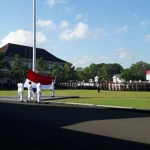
<point>107,72</point>
<point>19,71</point>
<point>100,71</point>
<point>138,70</point>
<point>117,68</point>
<point>127,74</point>
<point>56,71</point>
<point>68,72</point>
<point>4,63</point>
<point>80,74</point>
<point>86,73</point>
<point>103,71</point>
<point>41,66</point>
<point>93,70</point>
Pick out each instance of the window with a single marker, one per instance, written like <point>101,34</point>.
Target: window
<point>26,65</point>
<point>50,66</point>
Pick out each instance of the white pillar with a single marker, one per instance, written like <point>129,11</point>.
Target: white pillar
<point>34,36</point>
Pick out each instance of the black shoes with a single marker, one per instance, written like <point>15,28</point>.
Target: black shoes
<point>28,101</point>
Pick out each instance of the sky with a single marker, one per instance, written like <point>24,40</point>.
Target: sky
<point>81,31</point>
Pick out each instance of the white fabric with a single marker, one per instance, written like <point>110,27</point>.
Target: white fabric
<point>53,87</point>
<point>46,87</point>
<point>20,87</point>
<point>29,92</point>
<point>20,90</point>
<point>39,91</point>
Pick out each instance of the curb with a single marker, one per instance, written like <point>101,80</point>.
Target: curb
<point>102,106</point>
<point>47,101</point>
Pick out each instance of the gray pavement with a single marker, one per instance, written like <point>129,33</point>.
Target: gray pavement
<point>43,98</point>
<point>70,126</point>
<point>46,99</point>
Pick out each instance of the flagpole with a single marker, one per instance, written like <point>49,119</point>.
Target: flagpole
<point>34,36</point>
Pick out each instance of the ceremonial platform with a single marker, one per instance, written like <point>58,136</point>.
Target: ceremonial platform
<point>44,99</point>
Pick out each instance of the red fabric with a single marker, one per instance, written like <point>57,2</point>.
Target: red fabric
<point>147,72</point>
<point>35,77</point>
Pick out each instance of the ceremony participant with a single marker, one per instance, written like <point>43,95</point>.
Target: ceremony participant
<point>98,88</point>
<point>53,87</point>
<point>38,91</point>
<point>29,92</point>
<point>20,90</point>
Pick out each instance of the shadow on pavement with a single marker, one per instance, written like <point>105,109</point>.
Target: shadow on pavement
<point>39,127</point>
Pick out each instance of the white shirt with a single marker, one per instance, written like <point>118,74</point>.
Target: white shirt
<point>38,88</point>
<point>29,88</point>
<point>20,87</point>
<point>53,83</point>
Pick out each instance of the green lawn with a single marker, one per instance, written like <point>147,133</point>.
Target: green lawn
<point>112,98</point>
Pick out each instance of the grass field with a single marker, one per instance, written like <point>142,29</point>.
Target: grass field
<point>111,98</point>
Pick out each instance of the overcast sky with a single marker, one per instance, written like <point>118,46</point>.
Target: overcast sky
<point>81,31</point>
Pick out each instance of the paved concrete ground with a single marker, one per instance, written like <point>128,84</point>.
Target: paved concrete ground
<point>32,126</point>
<point>43,98</point>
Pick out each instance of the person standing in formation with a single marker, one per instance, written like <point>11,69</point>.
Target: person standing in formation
<point>38,91</point>
<point>20,90</point>
<point>29,92</point>
<point>98,88</point>
<point>53,87</point>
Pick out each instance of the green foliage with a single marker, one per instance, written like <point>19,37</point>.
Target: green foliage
<point>19,71</point>
<point>80,75</point>
<point>2,54</point>
<point>4,63</point>
<point>138,70</point>
<point>86,73</point>
<point>66,73</point>
<point>103,71</point>
<point>127,74</point>
<point>41,65</point>
<point>56,71</point>
<point>93,70</point>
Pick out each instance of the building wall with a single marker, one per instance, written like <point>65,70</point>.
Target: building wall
<point>4,73</point>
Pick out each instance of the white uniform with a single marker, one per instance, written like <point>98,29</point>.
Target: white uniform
<point>53,87</point>
<point>29,92</point>
<point>39,92</point>
<point>20,90</point>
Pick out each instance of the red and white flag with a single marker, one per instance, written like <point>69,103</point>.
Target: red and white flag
<point>148,75</point>
<point>46,82</point>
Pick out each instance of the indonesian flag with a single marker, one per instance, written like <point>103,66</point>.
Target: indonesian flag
<point>46,82</point>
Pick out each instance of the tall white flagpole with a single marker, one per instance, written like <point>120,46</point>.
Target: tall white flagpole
<point>34,36</point>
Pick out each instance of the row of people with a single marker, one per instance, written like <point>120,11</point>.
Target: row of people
<point>31,92</point>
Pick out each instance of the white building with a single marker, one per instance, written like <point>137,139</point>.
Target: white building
<point>26,54</point>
